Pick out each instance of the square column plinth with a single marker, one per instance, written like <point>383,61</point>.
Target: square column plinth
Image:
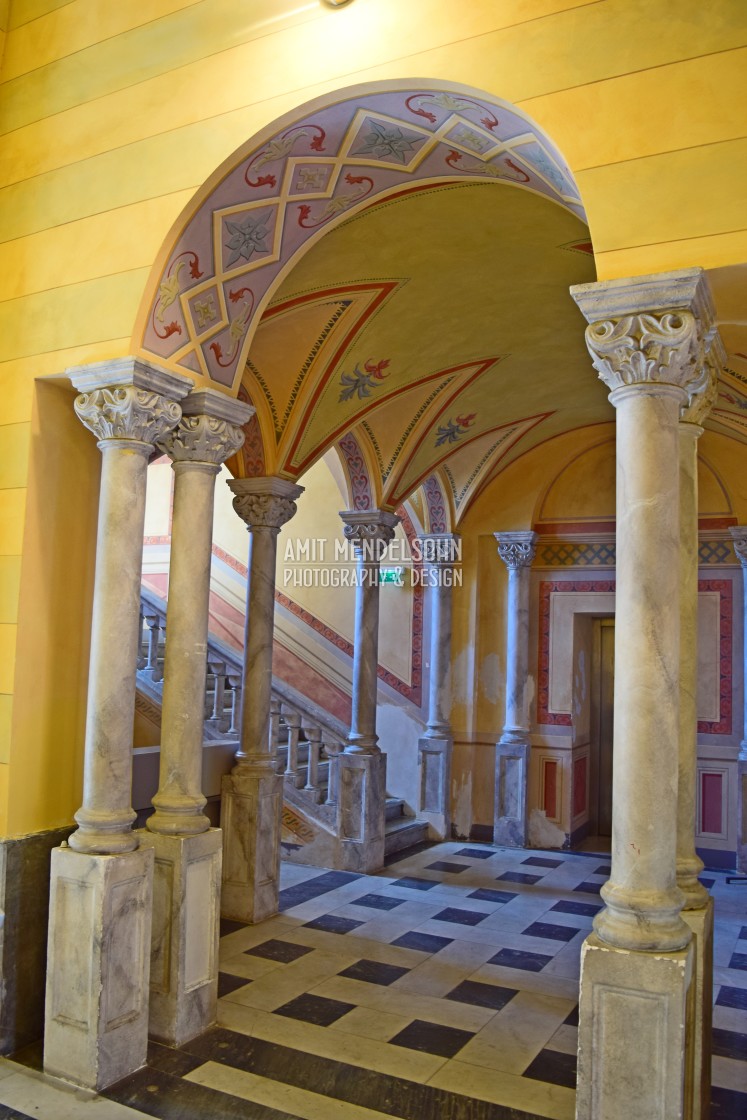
<point>361,811</point>
<point>701,923</point>
<point>96,1021</point>
<point>250,817</point>
<point>635,1055</point>
<point>434,758</point>
<point>511,770</point>
<point>185,934</point>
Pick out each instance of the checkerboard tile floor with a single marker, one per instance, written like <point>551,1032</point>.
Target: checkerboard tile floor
<point>446,986</point>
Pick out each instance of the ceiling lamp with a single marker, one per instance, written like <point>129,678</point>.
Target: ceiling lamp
<point>335,3</point>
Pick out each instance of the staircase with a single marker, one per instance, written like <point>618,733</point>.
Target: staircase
<point>305,740</point>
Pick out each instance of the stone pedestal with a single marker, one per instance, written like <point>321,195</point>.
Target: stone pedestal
<point>98,962</point>
<point>510,824</point>
<point>185,934</point>
<point>701,924</point>
<point>634,1057</point>
<point>250,817</point>
<point>434,759</point>
<point>360,815</point>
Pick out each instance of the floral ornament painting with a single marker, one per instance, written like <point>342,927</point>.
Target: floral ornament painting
<point>362,381</point>
<point>453,430</point>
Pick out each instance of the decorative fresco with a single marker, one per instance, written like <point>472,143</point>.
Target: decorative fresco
<point>273,198</point>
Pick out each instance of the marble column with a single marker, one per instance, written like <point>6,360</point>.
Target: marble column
<point>252,800</point>
<point>649,338</point>
<point>101,892</point>
<point>698,906</point>
<point>516,550</point>
<point>362,767</point>
<point>440,552</point>
<point>739,541</point>
<point>186,888</point>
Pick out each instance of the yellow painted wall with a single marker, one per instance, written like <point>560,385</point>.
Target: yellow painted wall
<point>111,115</point>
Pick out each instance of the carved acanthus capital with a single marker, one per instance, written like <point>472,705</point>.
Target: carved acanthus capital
<point>516,550</point>
<point>126,412</point>
<point>440,549</point>
<point>128,399</point>
<point>210,430</point>
<point>369,531</point>
<point>739,543</point>
<point>264,503</point>
<point>652,329</point>
<point>202,439</point>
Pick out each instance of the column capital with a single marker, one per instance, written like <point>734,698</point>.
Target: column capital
<point>739,543</point>
<point>651,330</point>
<point>369,531</point>
<point>128,399</point>
<point>516,549</point>
<point>266,502</point>
<point>440,549</point>
<point>210,430</point>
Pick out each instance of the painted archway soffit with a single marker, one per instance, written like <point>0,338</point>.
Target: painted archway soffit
<point>281,192</point>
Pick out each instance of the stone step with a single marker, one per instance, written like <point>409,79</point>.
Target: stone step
<point>395,808</point>
<point>403,833</point>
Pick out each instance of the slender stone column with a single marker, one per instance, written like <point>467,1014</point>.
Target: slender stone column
<point>516,550</point>
<point>100,904</point>
<point>252,800</point>
<point>440,552</point>
<point>649,339</point>
<point>362,767</point>
<point>186,903</point>
<point>739,541</point>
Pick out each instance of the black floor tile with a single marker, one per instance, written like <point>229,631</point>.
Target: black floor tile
<point>283,951</point>
<point>487,895</point>
<point>552,1066</point>
<point>518,877</point>
<point>739,960</point>
<point>732,997</point>
<point>727,1104</point>
<point>588,909</point>
<point>519,958</point>
<point>333,923</point>
<point>553,933</point>
<point>415,884</point>
<point>425,942</point>
<point>432,1038</point>
<point>742,933</point>
<point>228,983</point>
<point>481,995</point>
<point>571,1019</point>
<point>8,1113</point>
<point>374,972</point>
<point>171,1098</point>
<point>540,861</point>
<point>445,865</point>
<point>378,902</point>
<point>588,888</point>
<point>227,926</point>
<point>707,883</point>
<point>459,917</point>
<point>475,853</point>
<point>168,1060</point>
<point>729,1044</point>
<point>312,888</point>
<point>315,1009</point>
<point>603,869</point>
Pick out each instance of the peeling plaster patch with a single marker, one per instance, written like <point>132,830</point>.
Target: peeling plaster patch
<point>543,833</point>
<point>490,677</point>
<point>460,672</point>
<point>462,818</point>
<point>530,688</point>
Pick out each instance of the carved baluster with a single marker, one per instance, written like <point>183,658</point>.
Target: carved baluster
<point>154,626</point>
<point>234,683</point>
<point>334,750</point>
<point>314,738</point>
<point>293,719</point>
<point>141,659</point>
<point>218,669</point>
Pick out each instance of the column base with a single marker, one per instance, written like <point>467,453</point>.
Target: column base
<point>361,809</point>
<point>434,757</point>
<point>701,923</point>
<point>250,818</point>
<point>96,1018</point>
<point>511,770</point>
<point>633,1054</point>
<point>185,934</point>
